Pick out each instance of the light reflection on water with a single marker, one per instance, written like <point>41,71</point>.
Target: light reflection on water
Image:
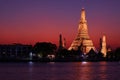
<point>60,71</point>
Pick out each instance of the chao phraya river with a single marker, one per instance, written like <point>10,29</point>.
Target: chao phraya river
<point>60,71</point>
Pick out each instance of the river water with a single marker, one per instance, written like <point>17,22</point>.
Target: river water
<point>60,71</point>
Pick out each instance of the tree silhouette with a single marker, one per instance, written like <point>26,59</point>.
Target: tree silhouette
<point>100,56</point>
<point>117,54</point>
<point>92,56</point>
<point>44,48</point>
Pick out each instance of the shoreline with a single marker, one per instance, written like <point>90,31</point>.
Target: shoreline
<point>42,61</point>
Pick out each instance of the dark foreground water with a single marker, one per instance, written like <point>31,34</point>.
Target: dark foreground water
<point>60,71</point>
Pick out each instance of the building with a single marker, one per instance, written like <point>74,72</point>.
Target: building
<point>103,45</point>
<point>15,50</point>
<point>82,40</point>
<point>62,42</point>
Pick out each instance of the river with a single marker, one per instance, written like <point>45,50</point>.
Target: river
<point>60,71</point>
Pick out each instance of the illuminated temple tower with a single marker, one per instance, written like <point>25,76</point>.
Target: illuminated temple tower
<point>82,40</point>
<point>103,45</point>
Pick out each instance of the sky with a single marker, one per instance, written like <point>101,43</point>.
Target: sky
<point>31,21</point>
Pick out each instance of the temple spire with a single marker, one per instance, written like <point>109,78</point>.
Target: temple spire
<point>82,37</point>
<point>83,15</point>
<point>60,41</point>
<point>83,28</point>
<point>103,46</point>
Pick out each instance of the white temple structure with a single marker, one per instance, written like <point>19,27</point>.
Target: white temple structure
<point>103,45</point>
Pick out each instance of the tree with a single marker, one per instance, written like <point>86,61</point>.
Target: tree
<point>44,48</point>
<point>117,54</point>
<point>100,56</point>
<point>92,56</point>
<point>110,56</point>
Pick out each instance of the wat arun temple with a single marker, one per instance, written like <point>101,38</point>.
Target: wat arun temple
<point>82,40</point>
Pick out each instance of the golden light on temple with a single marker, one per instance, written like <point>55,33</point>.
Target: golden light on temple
<point>82,41</point>
<point>103,46</point>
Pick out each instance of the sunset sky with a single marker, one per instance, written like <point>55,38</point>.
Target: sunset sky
<point>31,21</point>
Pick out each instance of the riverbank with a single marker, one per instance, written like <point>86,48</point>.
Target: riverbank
<point>55,60</point>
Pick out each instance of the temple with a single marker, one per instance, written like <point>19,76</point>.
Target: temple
<point>103,45</point>
<point>62,42</point>
<point>82,40</point>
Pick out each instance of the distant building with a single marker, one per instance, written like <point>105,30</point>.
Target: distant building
<point>62,42</point>
<point>82,40</point>
<point>103,45</point>
<point>15,50</point>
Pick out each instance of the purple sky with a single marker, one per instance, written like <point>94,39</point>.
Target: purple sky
<point>30,21</point>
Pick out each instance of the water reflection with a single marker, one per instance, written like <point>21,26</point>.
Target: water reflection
<point>84,71</point>
<point>60,71</point>
<point>84,62</point>
<point>89,72</point>
<point>103,70</point>
<point>30,66</point>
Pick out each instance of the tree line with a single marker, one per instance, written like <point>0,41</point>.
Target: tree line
<point>46,51</point>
